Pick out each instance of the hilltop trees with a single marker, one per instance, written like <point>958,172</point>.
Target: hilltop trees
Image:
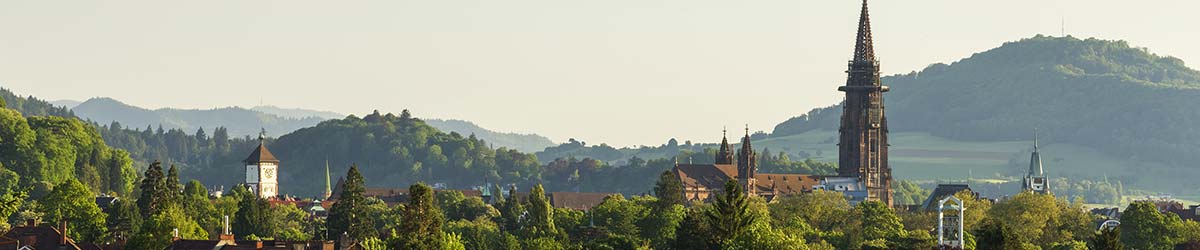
<point>51,150</point>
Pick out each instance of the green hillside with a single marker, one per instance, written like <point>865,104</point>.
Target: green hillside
<point>1105,106</point>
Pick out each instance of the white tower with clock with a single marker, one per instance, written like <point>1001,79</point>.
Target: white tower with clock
<point>262,170</point>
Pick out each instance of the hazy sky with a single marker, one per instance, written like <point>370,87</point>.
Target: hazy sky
<point>623,72</point>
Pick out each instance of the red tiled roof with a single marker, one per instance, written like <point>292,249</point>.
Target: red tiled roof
<point>786,184</point>
<point>705,175</point>
<point>40,237</point>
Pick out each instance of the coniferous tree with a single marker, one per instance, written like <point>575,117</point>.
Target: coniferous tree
<point>254,217</point>
<point>693,231</point>
<point>172,190</point>
<point>123,219</point>
<point>669,190</point>
<point>511,210</point>
<point>349,214</point>
<point>540,221</point>
<point>153,185</point>
<point>497,195</point>
<point>1107,239</point>
<point>421,227</point>
<point>730,214</point>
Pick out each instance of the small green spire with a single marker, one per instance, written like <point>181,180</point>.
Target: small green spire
<point>328,188</point>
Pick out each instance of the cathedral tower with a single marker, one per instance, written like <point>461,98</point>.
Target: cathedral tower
<point>862,149</point>
<point>725,153</point>
<point>747,165</point>
<point>262,170</point>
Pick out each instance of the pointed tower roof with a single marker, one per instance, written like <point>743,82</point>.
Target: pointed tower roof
<point>328,187</point>
<point>864,48</point>
<point>724,141</point>
<point>261,154</point>
<point>724,153</point>
<point>1035,159</point>
<point>746,141</point>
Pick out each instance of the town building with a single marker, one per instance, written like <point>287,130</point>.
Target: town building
<point>863,170</point>
<point>262,170</point>
<point>31,236</point>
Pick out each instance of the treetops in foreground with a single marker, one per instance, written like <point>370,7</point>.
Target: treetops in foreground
<point>450,220</point>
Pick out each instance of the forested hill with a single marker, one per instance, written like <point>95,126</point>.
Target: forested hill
<point>395,150</point>
<point>277,121</point>
<point>1103,94</point>
<point>239,121</point>
<point>31,106</point>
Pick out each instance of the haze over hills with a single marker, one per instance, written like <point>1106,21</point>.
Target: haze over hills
<point>239,121</point>
<point>1104,109</point>
<point>1111,109</point>
<point>277,121</point>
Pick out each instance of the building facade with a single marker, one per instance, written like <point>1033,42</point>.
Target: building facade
<point>262,170</point>
<point>863,170</point>
<point>863,141</point>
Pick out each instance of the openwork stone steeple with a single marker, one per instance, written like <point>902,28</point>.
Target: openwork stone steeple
<point>862,148</point>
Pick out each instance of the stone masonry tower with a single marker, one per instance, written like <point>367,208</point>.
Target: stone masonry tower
<point>863,146</point>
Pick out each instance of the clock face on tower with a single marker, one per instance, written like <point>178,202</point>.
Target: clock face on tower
<point>269,173</point>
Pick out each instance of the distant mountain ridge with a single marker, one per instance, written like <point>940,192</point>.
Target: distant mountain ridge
<point>277,121</point>
<point>1102,94</point>
<point>521,142</point>
<point>297,113</point>
<point>239,121</point>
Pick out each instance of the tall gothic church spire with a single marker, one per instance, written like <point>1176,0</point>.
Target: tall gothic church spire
<point>862,148</point>
<point>864,48</point>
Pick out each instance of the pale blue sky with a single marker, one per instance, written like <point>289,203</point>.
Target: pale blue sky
<point>624,72</point>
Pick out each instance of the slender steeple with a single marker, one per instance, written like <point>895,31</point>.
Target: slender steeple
<point>1035,180</point>
<point>864,48</point>
<point>1035,159</point>
<point>746,161</point>
<point>725,153</point>
<point>862,146</point>
<point>747,166</point>
<point>328,188</point>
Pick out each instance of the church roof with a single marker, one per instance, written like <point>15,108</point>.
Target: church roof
<point>786,183</point>
<point>714,176</point>
<point>940,192</point>
<point>705,175</point>
<point>261,154</point>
